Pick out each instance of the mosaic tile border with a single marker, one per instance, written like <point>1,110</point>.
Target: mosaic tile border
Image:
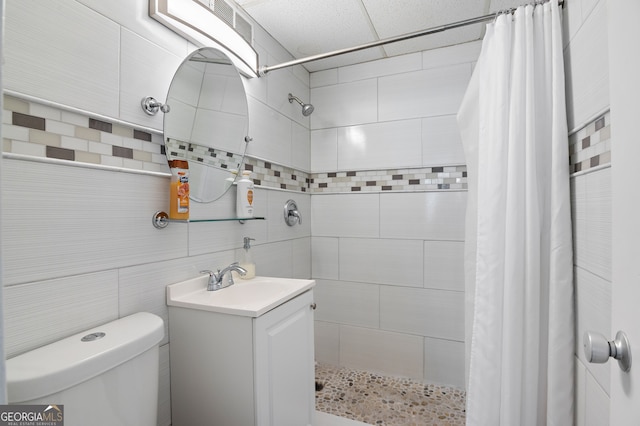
<point>590,146</point>
<point>416,179</point>
<point>30,128</point>
<point>209,156</point>
<point>33,129</point>
<point>271,175</point>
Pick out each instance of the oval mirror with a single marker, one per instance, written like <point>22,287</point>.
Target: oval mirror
<point>208,122</point>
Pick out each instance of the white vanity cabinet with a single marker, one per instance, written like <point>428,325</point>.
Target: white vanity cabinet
<point>241,370</point>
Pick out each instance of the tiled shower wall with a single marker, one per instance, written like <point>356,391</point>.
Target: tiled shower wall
<point>79,249</point>
<point>94,226</point>
<point>587,80</point>
<point>388,214</point>
<point>82,181</point>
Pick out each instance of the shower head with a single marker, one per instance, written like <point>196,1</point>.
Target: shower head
<point>307,109</point>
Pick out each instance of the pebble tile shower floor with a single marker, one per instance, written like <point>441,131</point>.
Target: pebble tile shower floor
<point>387,401</point>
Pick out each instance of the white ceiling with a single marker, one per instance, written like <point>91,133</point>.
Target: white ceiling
<point>309,27</point>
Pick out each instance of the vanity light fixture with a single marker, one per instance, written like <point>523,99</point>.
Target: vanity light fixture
<point>196,22</point>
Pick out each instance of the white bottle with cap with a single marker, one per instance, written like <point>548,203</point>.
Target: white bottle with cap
<point>244,200</point>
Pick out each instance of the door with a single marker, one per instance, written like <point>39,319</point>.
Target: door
<point>624,75</point>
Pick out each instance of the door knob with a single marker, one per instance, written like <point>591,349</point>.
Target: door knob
<point>598,349</point>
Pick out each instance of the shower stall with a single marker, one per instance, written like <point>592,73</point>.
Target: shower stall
<point>388,217</point>
<point>389,264</point>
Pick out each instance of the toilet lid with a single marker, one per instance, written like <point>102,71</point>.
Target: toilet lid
<point>73,360</point>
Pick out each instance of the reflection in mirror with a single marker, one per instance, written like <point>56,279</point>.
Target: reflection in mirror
<point>208,122</point>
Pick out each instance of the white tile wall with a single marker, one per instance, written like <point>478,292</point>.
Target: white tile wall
<point>381,261</point>
<point>591,205</point>
<point>587,90</point>
<point>443,359</point>
<point>323,78</point>
<point>276,227</point>
<point>425,312</point>
<point>345,104</point>
<point>440,92</point>
<point>441,142</point>
<point>381,351</point>
<point>300,147</point>
<point>593,313</point>
<point>52,62</point>
<point>136,54</point>
<point>597,403</point>
<point>345,215</point>
<point>143,287</point>
<point>426,215</point>
<point>280,85</point>
<point>273,259</point>
<point>389,66</point>
<point>301,258</point>
<point>325,257</point>
<point>134,15</point>
<point>587,79</point>
<point>348,303</point>
<point>271,133</point>
<point>592,222</point>
<point>78,245</point>
<point>399,252</point>
<point>60,220</point>
<point>444,265</point>
<point>597,253</point>
<point>324,150</point>
<point>327,342</point>
<point>367,146</point>
<point>42,312</point>
<point>457,54</point>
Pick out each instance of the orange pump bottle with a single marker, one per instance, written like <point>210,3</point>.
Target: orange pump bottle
<point>179,190</point>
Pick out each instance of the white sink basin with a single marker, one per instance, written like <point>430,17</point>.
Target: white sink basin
<point>250,298</point>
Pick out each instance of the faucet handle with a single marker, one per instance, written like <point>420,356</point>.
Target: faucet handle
<point>207,271</point>
<point>229,279</point>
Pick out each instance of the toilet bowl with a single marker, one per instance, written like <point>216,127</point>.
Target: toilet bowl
<point>107,375</point>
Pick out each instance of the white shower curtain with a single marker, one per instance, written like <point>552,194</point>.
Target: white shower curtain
<point>519,254</point>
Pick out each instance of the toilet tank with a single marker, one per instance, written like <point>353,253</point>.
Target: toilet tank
<point>107,375</point>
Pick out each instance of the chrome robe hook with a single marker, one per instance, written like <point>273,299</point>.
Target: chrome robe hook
<point>151,106</point>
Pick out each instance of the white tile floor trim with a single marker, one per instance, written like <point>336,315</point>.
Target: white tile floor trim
<point>324,419</point>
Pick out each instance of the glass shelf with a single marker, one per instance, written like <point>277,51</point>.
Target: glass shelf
<point>161,219</point>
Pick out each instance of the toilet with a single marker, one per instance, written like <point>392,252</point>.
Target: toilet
<point>107,375</point>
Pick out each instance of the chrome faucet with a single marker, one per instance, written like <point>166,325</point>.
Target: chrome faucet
<point>216,278</point>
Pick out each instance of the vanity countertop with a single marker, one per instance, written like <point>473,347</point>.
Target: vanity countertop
<point>250,298</point>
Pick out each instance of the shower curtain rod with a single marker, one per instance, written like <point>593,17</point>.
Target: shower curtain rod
<point>265,68</point>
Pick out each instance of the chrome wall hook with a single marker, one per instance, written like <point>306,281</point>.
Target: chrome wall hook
<point>151,106</point>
